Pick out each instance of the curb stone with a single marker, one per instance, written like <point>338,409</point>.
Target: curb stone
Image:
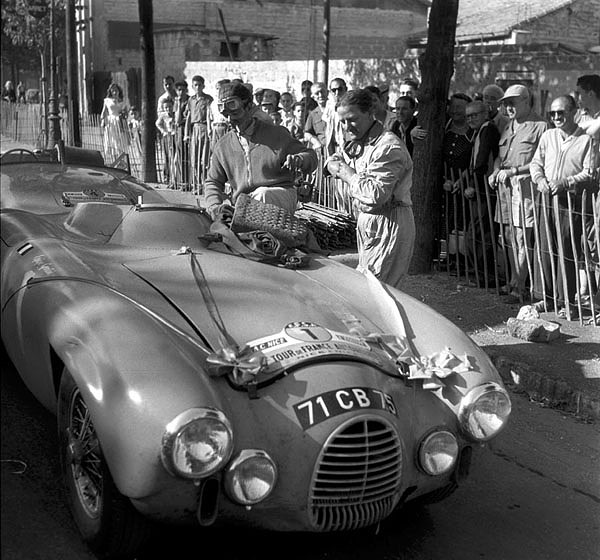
<point>553,392</point>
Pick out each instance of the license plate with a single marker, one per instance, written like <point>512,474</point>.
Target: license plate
<point>321,407</point>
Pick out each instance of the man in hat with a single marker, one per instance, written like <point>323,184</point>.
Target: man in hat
<point>255,157</point>
<point>518,142</point>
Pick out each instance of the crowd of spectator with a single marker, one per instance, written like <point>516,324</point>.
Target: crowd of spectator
<point>519,187</point>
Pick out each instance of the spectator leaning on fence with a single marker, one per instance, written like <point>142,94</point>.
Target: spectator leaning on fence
<point>511,178</point>
<point>256,157</point>
<point>561,169</point>
<point>588,93</point>
<point>484,152</point>
<point>378,171</point>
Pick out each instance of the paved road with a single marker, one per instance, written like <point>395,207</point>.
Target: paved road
<point>535,495</point>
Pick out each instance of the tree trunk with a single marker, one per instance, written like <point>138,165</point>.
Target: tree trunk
<point>148,91</point>
<point>437,66</point>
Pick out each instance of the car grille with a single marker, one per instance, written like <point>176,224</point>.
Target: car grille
<point>357,477</point>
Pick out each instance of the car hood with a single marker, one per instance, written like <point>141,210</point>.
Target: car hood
<point>251,300</point>
<point>235,302</point>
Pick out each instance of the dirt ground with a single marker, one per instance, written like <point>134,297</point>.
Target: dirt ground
<point>563,368</point>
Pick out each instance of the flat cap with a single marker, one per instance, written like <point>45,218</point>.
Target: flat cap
<point>516,90</point>
<point>234,90</point>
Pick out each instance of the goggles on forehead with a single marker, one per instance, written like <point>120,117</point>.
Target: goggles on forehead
<point>231,104</point>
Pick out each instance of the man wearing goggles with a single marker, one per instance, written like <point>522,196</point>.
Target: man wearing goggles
<point>256,157</point>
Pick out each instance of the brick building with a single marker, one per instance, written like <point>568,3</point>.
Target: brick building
<point>545,44</point>
<point>238,30</point>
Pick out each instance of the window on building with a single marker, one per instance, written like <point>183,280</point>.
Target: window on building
<point>235,50</point>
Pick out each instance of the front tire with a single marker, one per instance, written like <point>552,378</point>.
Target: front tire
<point>106,519</point>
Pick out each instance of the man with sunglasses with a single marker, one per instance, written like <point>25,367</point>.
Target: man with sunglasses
<point>334,132</point>
<point>256,157</point>
<point>518,142</point>
<point>562,169</point>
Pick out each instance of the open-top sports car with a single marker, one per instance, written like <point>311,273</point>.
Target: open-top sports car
<point>194,384</point>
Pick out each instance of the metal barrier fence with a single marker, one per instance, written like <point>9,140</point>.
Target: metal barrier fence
<point>23,123</point>
<point>537,247</point>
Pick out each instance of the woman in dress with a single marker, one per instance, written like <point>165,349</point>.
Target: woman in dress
<point>113,121</point>
<point>377,168</point>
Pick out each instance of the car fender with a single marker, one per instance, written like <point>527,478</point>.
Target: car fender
<point>132,391</point>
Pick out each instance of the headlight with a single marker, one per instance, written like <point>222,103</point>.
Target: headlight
<point>484,411</point>
<point>197,443</point>
<point>438,453</point>
<point>250,477</point>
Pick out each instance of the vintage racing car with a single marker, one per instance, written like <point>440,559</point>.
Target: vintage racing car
<point>192,384</point>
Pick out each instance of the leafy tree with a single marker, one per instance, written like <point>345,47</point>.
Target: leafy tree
<point>26,38</point>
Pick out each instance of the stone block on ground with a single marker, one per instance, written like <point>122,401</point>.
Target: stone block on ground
<point>533,330</point>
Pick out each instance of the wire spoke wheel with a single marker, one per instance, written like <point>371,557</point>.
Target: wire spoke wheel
<point>106,519</point>
<point>84,455</point>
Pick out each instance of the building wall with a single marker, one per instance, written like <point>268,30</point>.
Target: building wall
<point>548,75</point>
<point>577,25</point>
<point>297,27</point>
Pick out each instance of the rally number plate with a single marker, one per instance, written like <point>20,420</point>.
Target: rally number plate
<point>319,408</point>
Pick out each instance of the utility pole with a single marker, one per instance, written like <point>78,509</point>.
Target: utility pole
<point>146,15</point>
<point>72,82</point>
<point>326,36</point>
<point>54,135</point>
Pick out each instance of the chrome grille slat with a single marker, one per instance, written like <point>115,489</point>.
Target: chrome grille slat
<point>353,481</point>
<point>356,480</point>
<point>381,465</point>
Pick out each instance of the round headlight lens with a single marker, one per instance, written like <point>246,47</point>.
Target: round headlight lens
<point>484,411</point>
<point>250,477</point>
<point>438,453</point>
<point>197,443</point>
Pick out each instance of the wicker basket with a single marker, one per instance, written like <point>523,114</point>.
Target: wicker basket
<point>253,215</point>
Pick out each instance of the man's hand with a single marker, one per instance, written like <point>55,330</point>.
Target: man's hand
<point>418,133</point>
<point>337,167</point>
<point>469,192</point>
<point>493,179</point>
<point>556,187</point>
<point>503,176</point>
<point>293,162</point>
<point>542,185</point>
<point>333,164</point>
<point>222,213</point>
